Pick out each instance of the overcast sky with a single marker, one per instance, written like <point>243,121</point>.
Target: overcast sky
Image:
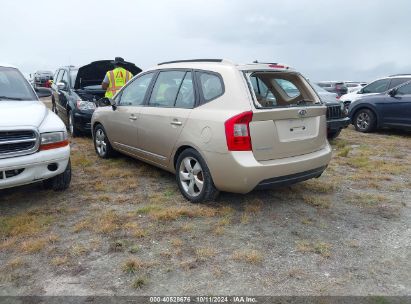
<point>323,39</point>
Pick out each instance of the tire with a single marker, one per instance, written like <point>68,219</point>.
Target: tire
<point>74,131</point>
<point>365,121</point>
<point>193,177</point>
<point>333,134</point>
<point>59,182</point>
<point>102,144</point>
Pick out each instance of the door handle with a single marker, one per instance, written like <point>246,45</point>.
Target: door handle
<point>132,117</point>
<point>175,122</point>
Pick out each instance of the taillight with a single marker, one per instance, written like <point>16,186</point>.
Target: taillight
<point>237,132</point>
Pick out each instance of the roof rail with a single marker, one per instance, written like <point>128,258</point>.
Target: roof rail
<point>403,74</point>
<point>192,60</point>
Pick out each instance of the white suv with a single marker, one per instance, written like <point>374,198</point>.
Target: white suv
<point>33,140</point>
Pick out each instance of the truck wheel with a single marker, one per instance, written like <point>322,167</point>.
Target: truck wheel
<point>333,134</point>
<point>101,143</point>
<point>71,126</point>
<point>193,177</point>
<point>365,121</point>
<point>59,182</point>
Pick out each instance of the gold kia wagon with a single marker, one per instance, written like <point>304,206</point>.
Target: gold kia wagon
<point>218,126</point>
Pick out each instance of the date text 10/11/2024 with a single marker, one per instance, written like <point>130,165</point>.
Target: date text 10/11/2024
<point>203,299</point>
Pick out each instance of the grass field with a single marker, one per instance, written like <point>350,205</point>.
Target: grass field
<point>123,228</point>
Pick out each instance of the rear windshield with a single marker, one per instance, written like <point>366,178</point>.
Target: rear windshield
<point>281,89</point>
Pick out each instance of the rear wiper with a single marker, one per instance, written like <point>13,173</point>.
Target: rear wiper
<point>10,98</point>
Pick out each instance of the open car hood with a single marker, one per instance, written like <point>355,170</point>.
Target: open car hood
<point>93,73</point>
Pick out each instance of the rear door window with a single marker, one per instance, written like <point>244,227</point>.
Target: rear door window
<point>397,81</point>
<point>186,97</point>
<point>166,89</point>
<point>404,90</point>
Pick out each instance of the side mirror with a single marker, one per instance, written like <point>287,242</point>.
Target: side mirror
<point>360,91</point>
<point>392,92</point>
<point>113,104</point>
<point>43,92</point>
<point>61,85</point>
<point>106,102</point>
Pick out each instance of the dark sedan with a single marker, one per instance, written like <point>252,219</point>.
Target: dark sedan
<point>389,109</point>
<point>75,91</point>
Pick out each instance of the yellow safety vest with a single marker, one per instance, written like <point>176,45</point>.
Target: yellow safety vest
<point>117,79</point>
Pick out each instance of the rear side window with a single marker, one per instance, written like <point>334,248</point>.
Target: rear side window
<point>211,85</point>
<point>377,86</point>
<point>281,89</point>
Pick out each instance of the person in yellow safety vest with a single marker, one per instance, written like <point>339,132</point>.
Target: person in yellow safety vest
<point>116,79</point>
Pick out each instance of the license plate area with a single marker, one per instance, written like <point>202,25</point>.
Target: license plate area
<point>297,129</point>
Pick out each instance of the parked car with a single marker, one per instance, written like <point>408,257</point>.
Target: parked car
<point>218,126</point>
<point>354,86</point>
<point>75,91</point>
<point>337,87</point>
<point>33,140</point>
<point>42,78</point>
<point>388,109</point>
<point>377,86</point>
<point>337,118</point>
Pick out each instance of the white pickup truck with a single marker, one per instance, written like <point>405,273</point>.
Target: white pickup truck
<point>33,140</point>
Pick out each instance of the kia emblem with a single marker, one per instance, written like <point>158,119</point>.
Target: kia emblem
<point>302,112</point>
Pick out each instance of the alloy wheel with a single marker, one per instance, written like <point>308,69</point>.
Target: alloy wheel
<point>363,121</point>
<point>191,176</point>
<point>101,145</point>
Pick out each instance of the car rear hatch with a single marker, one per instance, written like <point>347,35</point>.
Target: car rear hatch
<point>288,118</point>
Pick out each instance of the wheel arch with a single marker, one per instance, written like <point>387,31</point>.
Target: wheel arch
<point>179,151</point>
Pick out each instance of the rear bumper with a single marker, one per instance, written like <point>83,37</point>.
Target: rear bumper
<point>337,124</point>
<point>240,172</point>
<point>290,179</point>
<point>33,167</point>
<point>82,121</point>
